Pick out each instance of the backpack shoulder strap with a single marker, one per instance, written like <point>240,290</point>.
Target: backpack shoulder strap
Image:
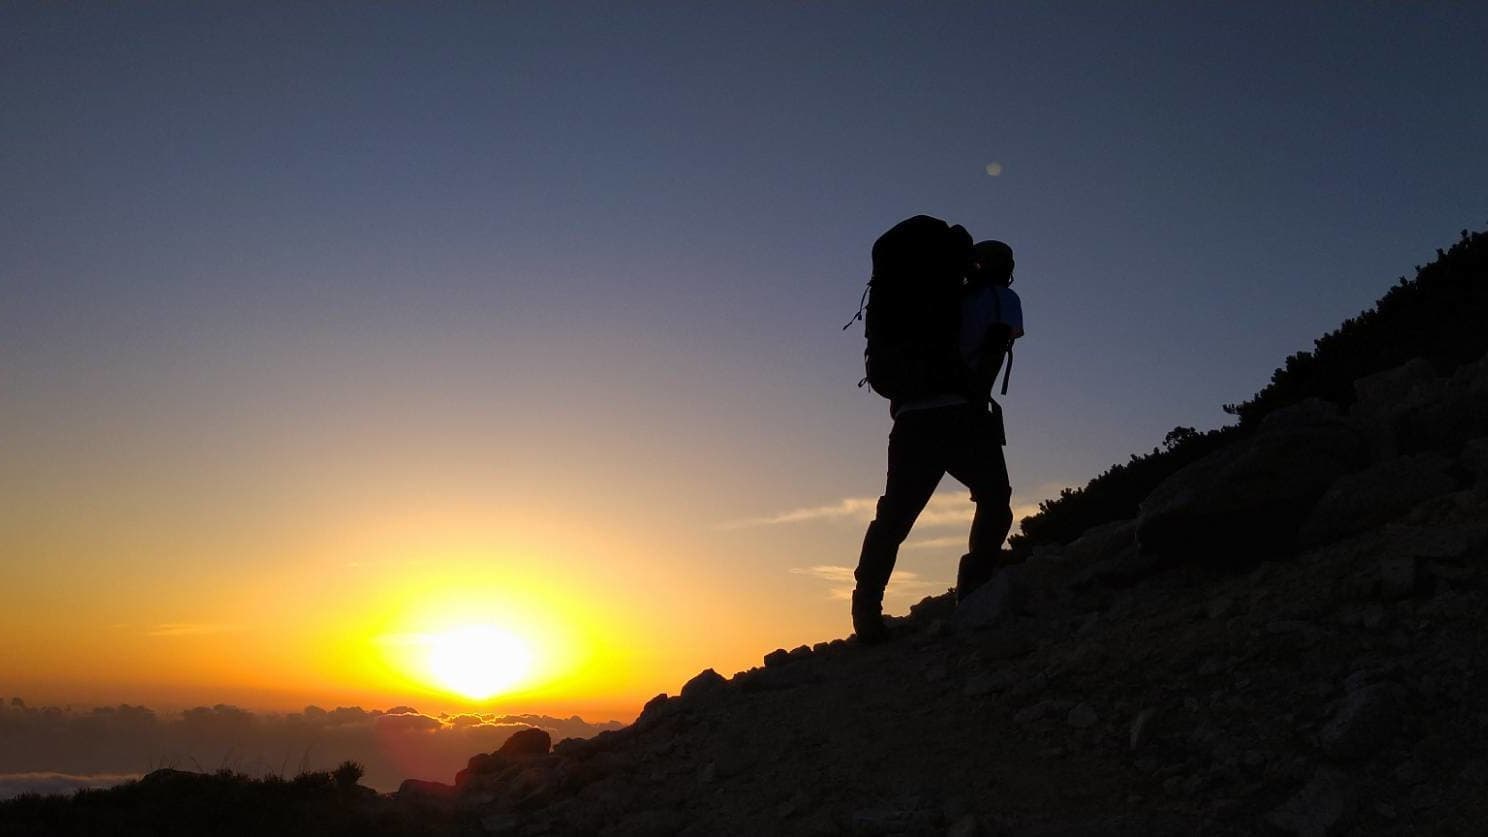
<point>1008,371</point>
<point>1007,348</point>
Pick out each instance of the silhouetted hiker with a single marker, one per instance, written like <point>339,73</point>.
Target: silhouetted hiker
<point>941,320</point>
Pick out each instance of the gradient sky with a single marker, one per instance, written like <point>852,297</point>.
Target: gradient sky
<point>328,327</point>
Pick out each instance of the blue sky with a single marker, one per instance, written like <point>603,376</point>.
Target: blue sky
<point>252,254</point>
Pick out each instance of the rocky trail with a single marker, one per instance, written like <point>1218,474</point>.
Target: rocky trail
<point>1288,639</point>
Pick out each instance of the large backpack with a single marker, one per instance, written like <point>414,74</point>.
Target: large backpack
<point>913,320</point>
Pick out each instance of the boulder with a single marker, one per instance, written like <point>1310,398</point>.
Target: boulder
<point>180,781</point>
<point>527,742</point>
<point>1410,409</point>
<point>768,679</point>
<point>1103,542</point>
<point>531,785</point>
<point>1474,459</point>
<point>1393,389</point>
<point>655,709</point>
<point>420,791</point>
<point>1376,495</point>
<point>705,684</point>
<point>575,748</point>
<point>482,763</point>
<point>479,790</point>
<point>1246,502</point>
<point>1454,415</point>
<point>1451,527</point>
<point>992,603</point>
<point>1382,400</point>
<point>931,608</point>
<point>1082,716</point>
<point>1122,570</point>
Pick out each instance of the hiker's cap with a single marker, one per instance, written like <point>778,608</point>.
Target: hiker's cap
<point>992,257</point>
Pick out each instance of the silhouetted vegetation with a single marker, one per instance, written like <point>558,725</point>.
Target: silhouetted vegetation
<point>347,774</point>
<point>171,802</point>
<point>1114,494</point>
<point>1441,315</point>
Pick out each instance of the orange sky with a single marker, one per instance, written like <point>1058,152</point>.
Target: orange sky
<point>277,523</point>
<point>186,583</point>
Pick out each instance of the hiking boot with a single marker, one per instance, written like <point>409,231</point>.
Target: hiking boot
<point>867,617</point>
<point>973,571</point>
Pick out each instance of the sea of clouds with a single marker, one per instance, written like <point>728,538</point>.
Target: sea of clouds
<point>49,749</point>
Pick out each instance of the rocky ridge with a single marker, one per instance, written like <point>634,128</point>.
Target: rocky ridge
<point>1287,639</point>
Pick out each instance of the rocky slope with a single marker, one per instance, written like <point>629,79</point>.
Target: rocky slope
<point>1289,638</point>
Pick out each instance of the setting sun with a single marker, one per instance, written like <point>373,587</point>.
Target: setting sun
<point>478,661</point>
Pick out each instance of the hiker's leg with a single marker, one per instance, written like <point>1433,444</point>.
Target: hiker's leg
<point>977,461</point>
<point>915,468</point>
<point>992,522</point>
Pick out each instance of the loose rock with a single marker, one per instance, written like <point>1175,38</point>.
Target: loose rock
<point>1082,716</point>
<point>992,603</point>
<point>1397,577</point>
<point>1322,807</point>
<point>1141,728</point>
<point>1364,723</point>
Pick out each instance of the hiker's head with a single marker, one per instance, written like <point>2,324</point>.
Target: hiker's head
<point>992,261</point>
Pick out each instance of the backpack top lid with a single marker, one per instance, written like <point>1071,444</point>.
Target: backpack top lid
<point>921,246</point>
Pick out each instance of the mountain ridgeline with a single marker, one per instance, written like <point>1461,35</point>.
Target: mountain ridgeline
<point>1440,316</point>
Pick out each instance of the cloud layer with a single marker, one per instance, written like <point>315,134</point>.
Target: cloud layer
<point>946,508</point>
<point>57,750</point>
<point>904,584</point>
<point>55,784</point>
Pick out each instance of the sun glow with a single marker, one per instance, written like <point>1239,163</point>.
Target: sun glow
<point>475,624</point>
<point>478,661</point>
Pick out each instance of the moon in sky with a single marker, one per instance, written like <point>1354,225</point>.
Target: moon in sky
<point>994,169</point>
